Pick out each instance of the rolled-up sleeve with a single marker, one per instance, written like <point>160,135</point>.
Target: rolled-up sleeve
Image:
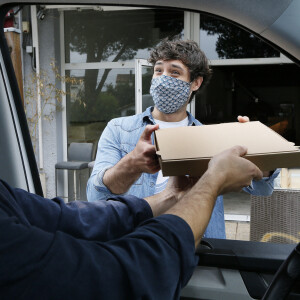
<point>100,220</point>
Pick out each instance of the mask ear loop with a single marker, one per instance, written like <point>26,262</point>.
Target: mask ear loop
<point>191,92</point>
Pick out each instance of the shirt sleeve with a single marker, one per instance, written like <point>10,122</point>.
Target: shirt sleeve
<point>153,262</point>
<point>263,187</point>
<point>101,220</point>
<point>108,155</point>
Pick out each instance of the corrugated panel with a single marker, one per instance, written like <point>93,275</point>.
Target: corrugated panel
<point>276,218</point>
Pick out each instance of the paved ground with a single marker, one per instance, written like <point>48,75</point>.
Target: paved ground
<point>237,230</point>
<point>237,206</point>
<point>237,203</point>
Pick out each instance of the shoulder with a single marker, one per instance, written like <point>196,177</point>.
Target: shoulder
<point>129,123</point>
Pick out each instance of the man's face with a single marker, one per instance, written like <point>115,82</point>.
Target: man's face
<point>176,69</point>
<point>173,68</point>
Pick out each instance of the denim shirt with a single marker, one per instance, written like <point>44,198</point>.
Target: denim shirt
<point>120,137</point>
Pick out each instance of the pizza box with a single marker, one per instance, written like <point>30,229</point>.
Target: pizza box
<point>188,150</point>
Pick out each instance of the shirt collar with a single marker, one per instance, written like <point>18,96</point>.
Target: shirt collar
<point>192,120</point>
<point>147,115</point>
<point>148,118</point>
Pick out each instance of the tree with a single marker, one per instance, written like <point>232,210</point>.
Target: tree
<point>234,42</point>
<point>113,36</point>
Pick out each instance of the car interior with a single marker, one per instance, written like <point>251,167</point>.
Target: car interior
<point>227,269</point>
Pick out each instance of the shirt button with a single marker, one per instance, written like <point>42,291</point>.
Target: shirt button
<point>152,184</point>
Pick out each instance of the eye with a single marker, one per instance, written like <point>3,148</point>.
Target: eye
<point>175,72</point>
<point>157,70</point>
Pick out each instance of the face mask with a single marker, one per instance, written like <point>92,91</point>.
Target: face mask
<point>169,94</point>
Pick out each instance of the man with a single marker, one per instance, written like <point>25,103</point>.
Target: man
<point>123,248</point>
<point>126,162</point>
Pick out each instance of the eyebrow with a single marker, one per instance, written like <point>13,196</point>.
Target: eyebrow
<point>177,66</point>
<point>173,65</point>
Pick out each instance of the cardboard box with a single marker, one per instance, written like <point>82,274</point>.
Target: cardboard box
<point>188,150</point>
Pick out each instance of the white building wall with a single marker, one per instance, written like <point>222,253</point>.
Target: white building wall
<point>48,39</point>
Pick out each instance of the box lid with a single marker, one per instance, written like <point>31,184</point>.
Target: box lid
<point>206,141</point>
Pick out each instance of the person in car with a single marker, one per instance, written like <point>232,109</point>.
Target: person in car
<point>126,162</point>
<point>123,248</point>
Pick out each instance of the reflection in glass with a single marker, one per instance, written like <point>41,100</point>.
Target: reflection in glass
<point>222,40</point>
<point>265,93</point>
<point>147,73</point>
<point>89,109</point>
<point>117,35</point>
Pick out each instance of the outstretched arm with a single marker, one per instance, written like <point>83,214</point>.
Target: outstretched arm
<point>154,261</point>
<point>100,220</point>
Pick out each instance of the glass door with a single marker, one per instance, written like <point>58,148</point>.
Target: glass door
<point>143,76</point>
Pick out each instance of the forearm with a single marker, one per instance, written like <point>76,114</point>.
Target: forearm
<point>197,205</point>
<point>161,202</point>
<point>121,176</point>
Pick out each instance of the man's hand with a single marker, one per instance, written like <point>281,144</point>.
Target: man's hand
<point>232,172</point>
<point>227,172</point>
<point>176,188</point>
<point>144,159</point>
<point>180,185</point>
<point>243,119</point>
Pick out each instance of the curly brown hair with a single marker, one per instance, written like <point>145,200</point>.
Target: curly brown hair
<point>188,52</point>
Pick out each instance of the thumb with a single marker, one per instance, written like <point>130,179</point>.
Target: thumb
<point>239,150</point>
<point>146,135</point>
<point>258,174</point>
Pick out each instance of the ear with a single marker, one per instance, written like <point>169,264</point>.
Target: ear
<point>196,83</point>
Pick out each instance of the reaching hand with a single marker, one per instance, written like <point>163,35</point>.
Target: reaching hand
<point>245,119</point>
<point>179,185</point>
<point>231,171</point>
<point>144,153</point>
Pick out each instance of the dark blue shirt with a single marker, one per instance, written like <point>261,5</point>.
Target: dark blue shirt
<point>110,249</point>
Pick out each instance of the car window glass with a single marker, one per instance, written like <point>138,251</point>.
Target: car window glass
<point>75,69</point>
<point>221,40</point>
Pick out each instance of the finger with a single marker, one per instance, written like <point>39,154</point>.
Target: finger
<point>146,135</point>
<point>266,173</point>
<point>149,150</point>
<point>155,169</point>
<point>151,163</point>
<point>258,174</point>
<point>243,119</point>
<point>239,150</point>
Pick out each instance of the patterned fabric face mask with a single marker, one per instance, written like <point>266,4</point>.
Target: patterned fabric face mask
<point>169,94</point>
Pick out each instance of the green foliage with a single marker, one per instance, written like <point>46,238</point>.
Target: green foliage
<point>105,107</point>
<point>43,98</point>
<point>115,36</point>
<point>234,42</point>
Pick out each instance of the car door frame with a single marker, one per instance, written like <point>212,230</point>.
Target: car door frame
<point>215,256</point>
